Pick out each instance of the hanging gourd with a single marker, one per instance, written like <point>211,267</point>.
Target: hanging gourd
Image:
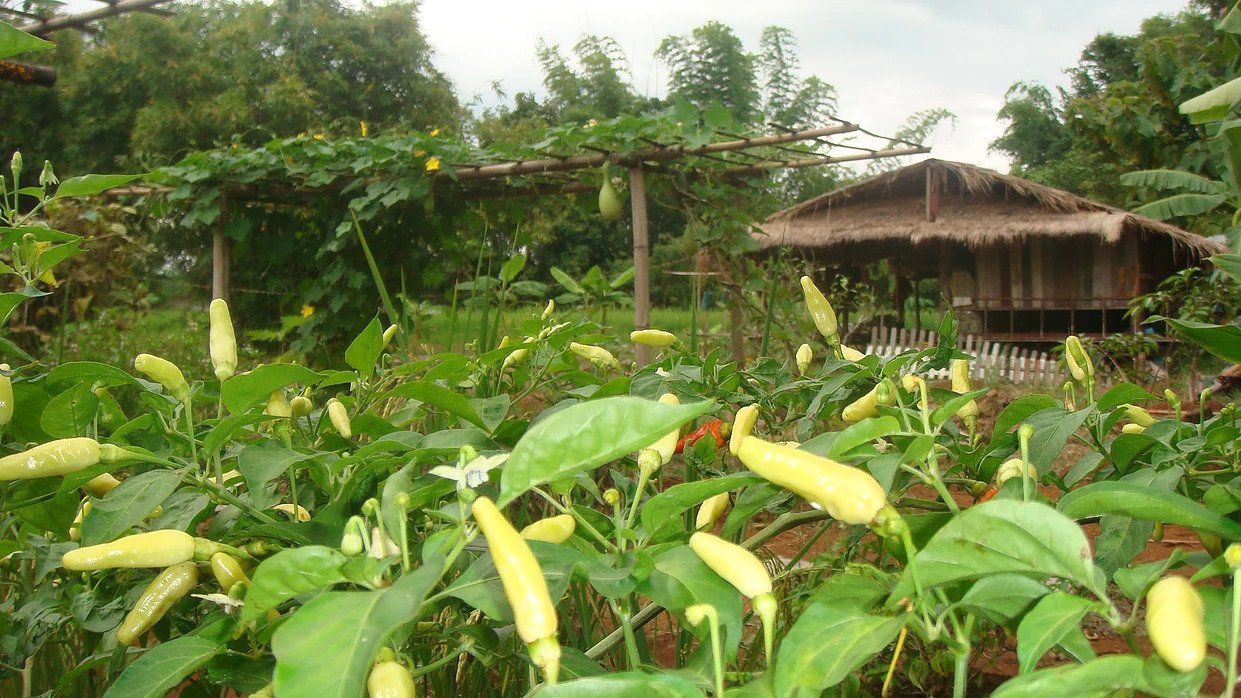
<point>609,199</point>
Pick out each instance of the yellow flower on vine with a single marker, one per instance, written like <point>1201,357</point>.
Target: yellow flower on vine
<point>318,136</point>
<point>434,132</point>
<point>433,164</point>
<point>366,130</point>
<point>308,310</point>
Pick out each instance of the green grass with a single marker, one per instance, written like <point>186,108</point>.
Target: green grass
<point>713,325</point>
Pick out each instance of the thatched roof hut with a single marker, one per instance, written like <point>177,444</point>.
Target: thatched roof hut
<point>1015,257</point>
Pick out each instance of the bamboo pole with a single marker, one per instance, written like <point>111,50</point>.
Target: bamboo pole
<point>653,154</point>
<point>220,255</point>
<point>641,260</point>
<point>51,24</point>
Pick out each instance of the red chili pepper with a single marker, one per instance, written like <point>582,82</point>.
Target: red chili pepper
<point>986,496</point>
<point>717,428</point>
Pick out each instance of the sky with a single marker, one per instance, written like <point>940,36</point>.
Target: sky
<point>886,58</point>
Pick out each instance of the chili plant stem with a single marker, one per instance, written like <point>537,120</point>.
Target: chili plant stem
<point>1234,634</point>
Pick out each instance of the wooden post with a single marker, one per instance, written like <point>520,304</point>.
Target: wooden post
<point>641,260</point>
<point>220,255</point>
<point>914,292</point>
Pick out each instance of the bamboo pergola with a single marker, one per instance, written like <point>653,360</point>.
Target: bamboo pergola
<point>41,25</point>
<point>546,176</point>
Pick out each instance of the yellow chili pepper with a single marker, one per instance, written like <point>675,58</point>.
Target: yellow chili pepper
<point>227,570</point>
<point>1015,467</point>
<point>846,493</point>
<point>339,417</point>
<point>803,358</point>
<point>1138,416</point>
<point>59,457</point>
<point>100,485</point>
<point>223,342</point>
<point>168,587</point>
<point>740,568</point>
<point>743,424</point>
<point>534,614</point>
<point>1132,429</point>
<point>851,354</point>
<point>554,529</point>
<point>596,355</point>
<point>152,549</point>
<point>711,510</point>
<point>864,407</point>
<point>6,395</point>
<point>653,338</point>
<point>165,373</point>
<point>820,311</point>
<point>390,679</point>
<point>1175,622</point>
<point>1076,358</point>
<point>296,511</point>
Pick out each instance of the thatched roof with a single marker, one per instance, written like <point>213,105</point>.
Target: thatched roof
<point>978,207</point>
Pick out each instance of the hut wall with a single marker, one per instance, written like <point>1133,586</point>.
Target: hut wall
<point>1074,273</point>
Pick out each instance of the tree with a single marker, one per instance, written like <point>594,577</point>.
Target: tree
<point>148,89</point>
<point>711,66</point>
<point>1119,110</point>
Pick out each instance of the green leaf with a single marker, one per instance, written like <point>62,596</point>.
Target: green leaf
<point>863,432</point>
<point>1144,502</point>
<point>680,580</point>
<point>827,643</point>
<point>625,684</point>
<point>92,184</point>
<point>262,463</point>
<point>1180,205</point>
<point>1230,264</point>
<point>1222,340</point>
<point>163,667</point>
<point>326,648</point>
<point>1047,624</point>
<point>1097,679</point>
<point>1122,394</point>
<point>567,281</point>
<point>91,372</point>
<point>1026,538</point>
<point>480,585</point>
<point>1004,598</point>
<point>14,41</point>
<point>72,413</point>
<point>586,435</point>
<point>365,349</point>
<point>1172,179</point>
<point>422,490</point>
<point>950,407</point>
<point>127,505</point>
<point>244,390</point>
<point>664,509</point>
<point>434,395</point>
<point>290,573</point>
<point>1120,539</point>
<point>513,267</point>
<point>1018,411</point>
<point>1214,104</point>
<point>1052,430</point>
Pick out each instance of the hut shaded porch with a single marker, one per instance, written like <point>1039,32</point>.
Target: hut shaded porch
<point>1030,290</point>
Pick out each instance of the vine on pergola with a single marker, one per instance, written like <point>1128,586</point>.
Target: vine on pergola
<point>709,156</point>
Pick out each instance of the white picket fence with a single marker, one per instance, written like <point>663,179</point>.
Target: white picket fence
<point>992,360</point>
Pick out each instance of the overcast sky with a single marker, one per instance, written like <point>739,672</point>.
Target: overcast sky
<point>886,58</point>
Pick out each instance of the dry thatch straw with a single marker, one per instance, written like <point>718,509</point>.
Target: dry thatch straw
<point>978,207</point>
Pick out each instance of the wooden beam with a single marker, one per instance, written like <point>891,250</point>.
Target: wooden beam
<point>654,154</point>
<point>75,21</point>
<point>27,74</point>
<point>641,260</point>
<point>759,168</point>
